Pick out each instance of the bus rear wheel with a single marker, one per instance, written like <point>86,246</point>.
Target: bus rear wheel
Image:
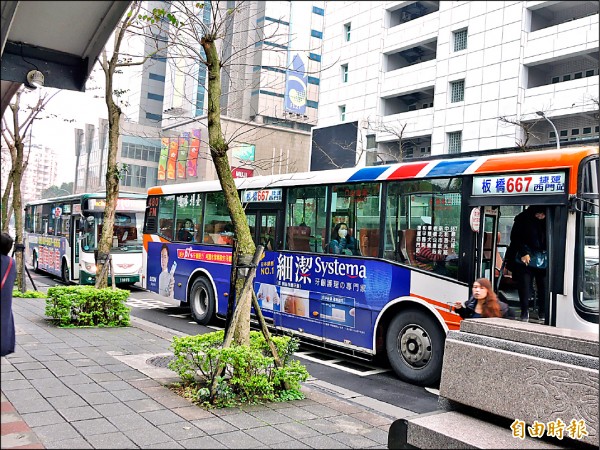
<point>64,273</point>
<point>36,267</point>
<point>202,301</point>
<point>415,347</point>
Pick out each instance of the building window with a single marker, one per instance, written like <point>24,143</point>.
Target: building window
<point>316,34</point>
<point>318,11</point>
<point>347,29</point>
<point>454,141</point>
<point>344,68</point>
<point>457,91</point>
<point>314,57</point>
<point>460,40</point>
<point>156,77</point>
<point>343,113</point>
<point>371,143</point>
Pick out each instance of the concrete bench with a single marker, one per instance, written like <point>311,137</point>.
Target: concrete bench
<point>514,371</point>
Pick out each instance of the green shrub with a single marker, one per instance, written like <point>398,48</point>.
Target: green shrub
<point>87,306</point>
<point>249,372</point>
<point>28,294</point>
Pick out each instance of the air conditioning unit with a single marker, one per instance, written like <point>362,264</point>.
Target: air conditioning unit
<point>405,16</point>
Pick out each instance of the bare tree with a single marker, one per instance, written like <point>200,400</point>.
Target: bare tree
<point>223,50</point>
<point>14,136</point>
<point>133,23</point>
<point>522,143</point>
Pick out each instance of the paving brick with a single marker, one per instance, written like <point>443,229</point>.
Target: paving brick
<point>68,401</point>
<point>78,443</point>
<point>182,430</point>
<point>161,417</point>
<point>55,432</point>
<point>111,440</point>
<point>353,440</point>
<point>112,386</point>
<point>104,376</point>
<point>73,380</point>
<point>237,439</point>
<point>296,430</point>
<point>128,422</point>
<point>323,442</point>
<point>79,413</point>
<point>14,385</point>
<point>244,421</point>
<point>90,427</point>
<point>144,405</point>
<point>214,425</point>
<point>32,406</point>
<point>192,413</point>
<point>42,418</point>
<point>271,416</point>
<point>297,413</point>
<point>98,398</point>
<point>131,394</point>
<point>202,442</point>
<point>268,435</point>
<point>147,436</point>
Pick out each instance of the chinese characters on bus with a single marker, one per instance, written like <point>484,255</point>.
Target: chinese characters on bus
<point>548,183</point>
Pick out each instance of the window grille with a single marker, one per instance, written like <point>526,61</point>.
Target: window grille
<point>454,142</point>
<point>457,90</point>
<point>460,40</point>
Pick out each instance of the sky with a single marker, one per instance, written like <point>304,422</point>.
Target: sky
<point>54,130</point>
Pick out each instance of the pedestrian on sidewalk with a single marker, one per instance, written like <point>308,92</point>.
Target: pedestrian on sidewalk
<point>8,272</point>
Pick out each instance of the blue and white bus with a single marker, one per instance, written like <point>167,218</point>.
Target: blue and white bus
<point>62,233</point>
<point>425,231</point>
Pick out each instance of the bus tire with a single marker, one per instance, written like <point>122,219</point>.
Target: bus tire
<point>64,273</point>
<point>415,347</point>
<point>36,266</point>
<point>202,301</point>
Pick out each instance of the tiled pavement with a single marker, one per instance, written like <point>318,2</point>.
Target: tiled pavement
<point>94,388</point>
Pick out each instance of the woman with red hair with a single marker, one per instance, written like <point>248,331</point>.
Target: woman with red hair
<point>483,302</point>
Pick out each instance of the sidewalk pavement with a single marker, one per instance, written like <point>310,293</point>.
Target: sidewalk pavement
<point>95,388</point>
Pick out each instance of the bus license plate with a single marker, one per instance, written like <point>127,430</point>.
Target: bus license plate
<point>125,280</point>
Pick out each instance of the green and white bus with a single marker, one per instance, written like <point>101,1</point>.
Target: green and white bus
<point>62,233</point>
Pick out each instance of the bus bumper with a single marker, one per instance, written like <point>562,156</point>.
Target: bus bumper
<point>90,279</point>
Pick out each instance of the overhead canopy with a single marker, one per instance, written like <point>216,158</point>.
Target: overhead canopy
<point>61,39</point>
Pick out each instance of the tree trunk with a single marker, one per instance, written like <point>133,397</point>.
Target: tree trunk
<point>218,152</point>
<point>17,203</point>
<point>112,182</point>
<point>5,201</point>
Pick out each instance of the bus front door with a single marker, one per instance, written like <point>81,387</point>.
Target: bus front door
<point>488,259</point>
<point>74,237</point>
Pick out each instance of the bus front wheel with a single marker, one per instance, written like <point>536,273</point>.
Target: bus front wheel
<point>202,301</point>
<point>415,347</point>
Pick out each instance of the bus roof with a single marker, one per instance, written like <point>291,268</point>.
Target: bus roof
<point>86,195</point>
<point>545,160</point>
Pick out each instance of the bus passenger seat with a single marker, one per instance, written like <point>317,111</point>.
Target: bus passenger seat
<point>299,238</point>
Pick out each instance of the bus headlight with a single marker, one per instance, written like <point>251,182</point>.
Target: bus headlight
<point>90,267</point>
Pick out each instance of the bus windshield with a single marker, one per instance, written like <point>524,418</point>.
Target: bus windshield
<point>127,233</point>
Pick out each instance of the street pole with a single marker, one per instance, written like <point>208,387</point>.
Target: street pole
<point>541,114</point>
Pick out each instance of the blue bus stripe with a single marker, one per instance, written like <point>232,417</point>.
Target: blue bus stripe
<point>449,168</point>
<point>368,173</point>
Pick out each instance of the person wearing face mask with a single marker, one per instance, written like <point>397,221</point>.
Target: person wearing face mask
<point>341,243</point>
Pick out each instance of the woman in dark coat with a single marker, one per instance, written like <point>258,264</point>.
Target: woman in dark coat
<point>528,235</point>
<point>8,272</point>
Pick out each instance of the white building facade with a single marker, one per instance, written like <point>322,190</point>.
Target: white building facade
<point>431,77</point>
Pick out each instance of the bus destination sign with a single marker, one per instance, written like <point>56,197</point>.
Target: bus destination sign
<point>262,195</point>
<point>519,184</point>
